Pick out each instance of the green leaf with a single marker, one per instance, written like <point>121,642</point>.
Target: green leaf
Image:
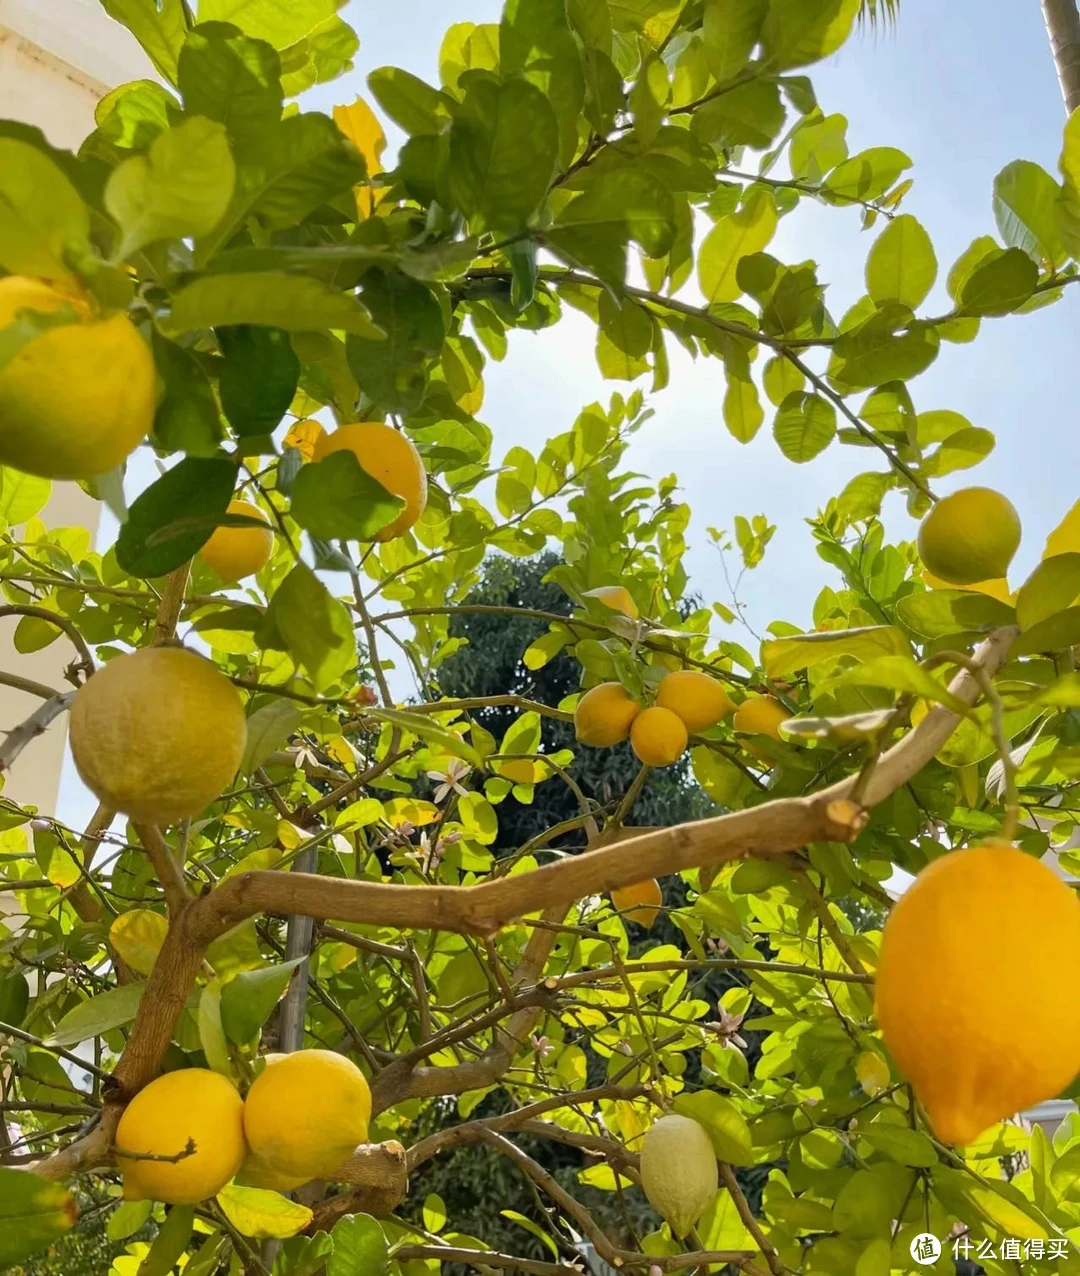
<point>248,999</point>
<point>280,24</point>
<point>419,724</point>
<point>170,1243</point>
<point>434,1212</point>
<point>960,451</point>
<point>258,378</point>
<point>871,1199</point>
<point>22,495</point>
<point>1026,211</point>
<point>392,370</point>
<point>180,189</point>
<point>750,115</point>
<point>128,1218</point>
<point>412,103</point>
<point>293,302</point>
<point>44,224</point>
<point>33,1213</point>
<point>1000,284</point>
<point>799,32</point>
<point>723,1122</point>
<point>537,44</point>
<point>97,1015</point>
<point>781,377</point>
<point>624,338</point>
<point>285,173</point>
<point>743,413</point>
<point>940,612</point>
<point>746,231</point>
<point>818,145</point>
<point>902,266</point>
<point>212,1037</point>
<point>268,729</point>
<point>336,499</point>
<point>781,657</point>
<point>262,1215</point>
<point>503,147</point>
<point>187,418</point>
<point>1057,632</point>
<point>721,779</point>
<point>898,673</point>
<point>885,347</point>
<point>359,1246</point>
<point>616,206</point>
<point>899,1143</point>
<point>804,426</point>
<point>175,516</point>
<point>226,76</point>
<point>14,998</point>
<point>316,628</point>
<point>159,27</point>
<point>730,31</point>
<point>862,497</point>
<point>865,176</point>
<point>1050,588</point>
<point>876,1259</point>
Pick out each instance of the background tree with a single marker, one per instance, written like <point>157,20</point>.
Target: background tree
<point>304,868</point>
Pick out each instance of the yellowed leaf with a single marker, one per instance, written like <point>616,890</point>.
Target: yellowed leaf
<point>1065,538</point>
<point>137,937</point>
<point>289,835</point>
<point>360,125</point>
<point>303,435</point>
<point>401,811</point>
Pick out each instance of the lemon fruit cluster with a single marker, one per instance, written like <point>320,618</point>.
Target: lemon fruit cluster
<point>189,1133</point>
<point>390,458</point>
<point>975,987</point>
<point>158,734</point>
<point>970,537</point>
<point>679,1173</point>
<point>237,552</point>
<point>687,701</point>
<point>78,398</point>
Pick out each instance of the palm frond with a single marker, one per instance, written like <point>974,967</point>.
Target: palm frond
<point>884,12</point>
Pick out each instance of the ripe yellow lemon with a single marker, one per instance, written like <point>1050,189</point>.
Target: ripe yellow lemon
<point>970,536</point>
<point>236,552</point>
<point>658,737</point>
<point>760,715</point>
<point>699,700</point>
<point>306,1112</point>
<point>640,902</point>
<point>976,987</point>
<point>158,734</point>
<point>617,597</point>
<point>604,714</point>
<point>390,458</point>
<point>679,1173</point>
<point>191,1106</point>
<point>76,400</point>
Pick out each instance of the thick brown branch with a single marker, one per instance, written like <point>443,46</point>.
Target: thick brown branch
<point>481,1258</point>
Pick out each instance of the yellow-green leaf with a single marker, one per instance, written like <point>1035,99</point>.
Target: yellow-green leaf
<point>137,936</point>
<point>263,1215</point>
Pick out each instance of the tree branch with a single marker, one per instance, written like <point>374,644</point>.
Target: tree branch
<point>168,871</point>
<point>742,1206</point>
<point>36,724</point>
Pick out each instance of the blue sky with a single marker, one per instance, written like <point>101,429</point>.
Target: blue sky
<point>964,88</point>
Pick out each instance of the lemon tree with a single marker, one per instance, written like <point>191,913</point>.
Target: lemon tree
<point>293,1001</point>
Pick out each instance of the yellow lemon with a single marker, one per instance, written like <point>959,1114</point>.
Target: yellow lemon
<point>658,737</point>
<point>617,597</point>
<point>158,734</point>
<point>699,700</point>
<point>679,1173</point>
<point>640,902</point>
<point>604,714</point>
<point>760,715</point>
<point>970,536</point>
<point>192,1108</point>
<point>390,458</point>
<point>236,552</point>
<point>76,400</point>
<point>976,993</point>
<point>306,1112</point>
